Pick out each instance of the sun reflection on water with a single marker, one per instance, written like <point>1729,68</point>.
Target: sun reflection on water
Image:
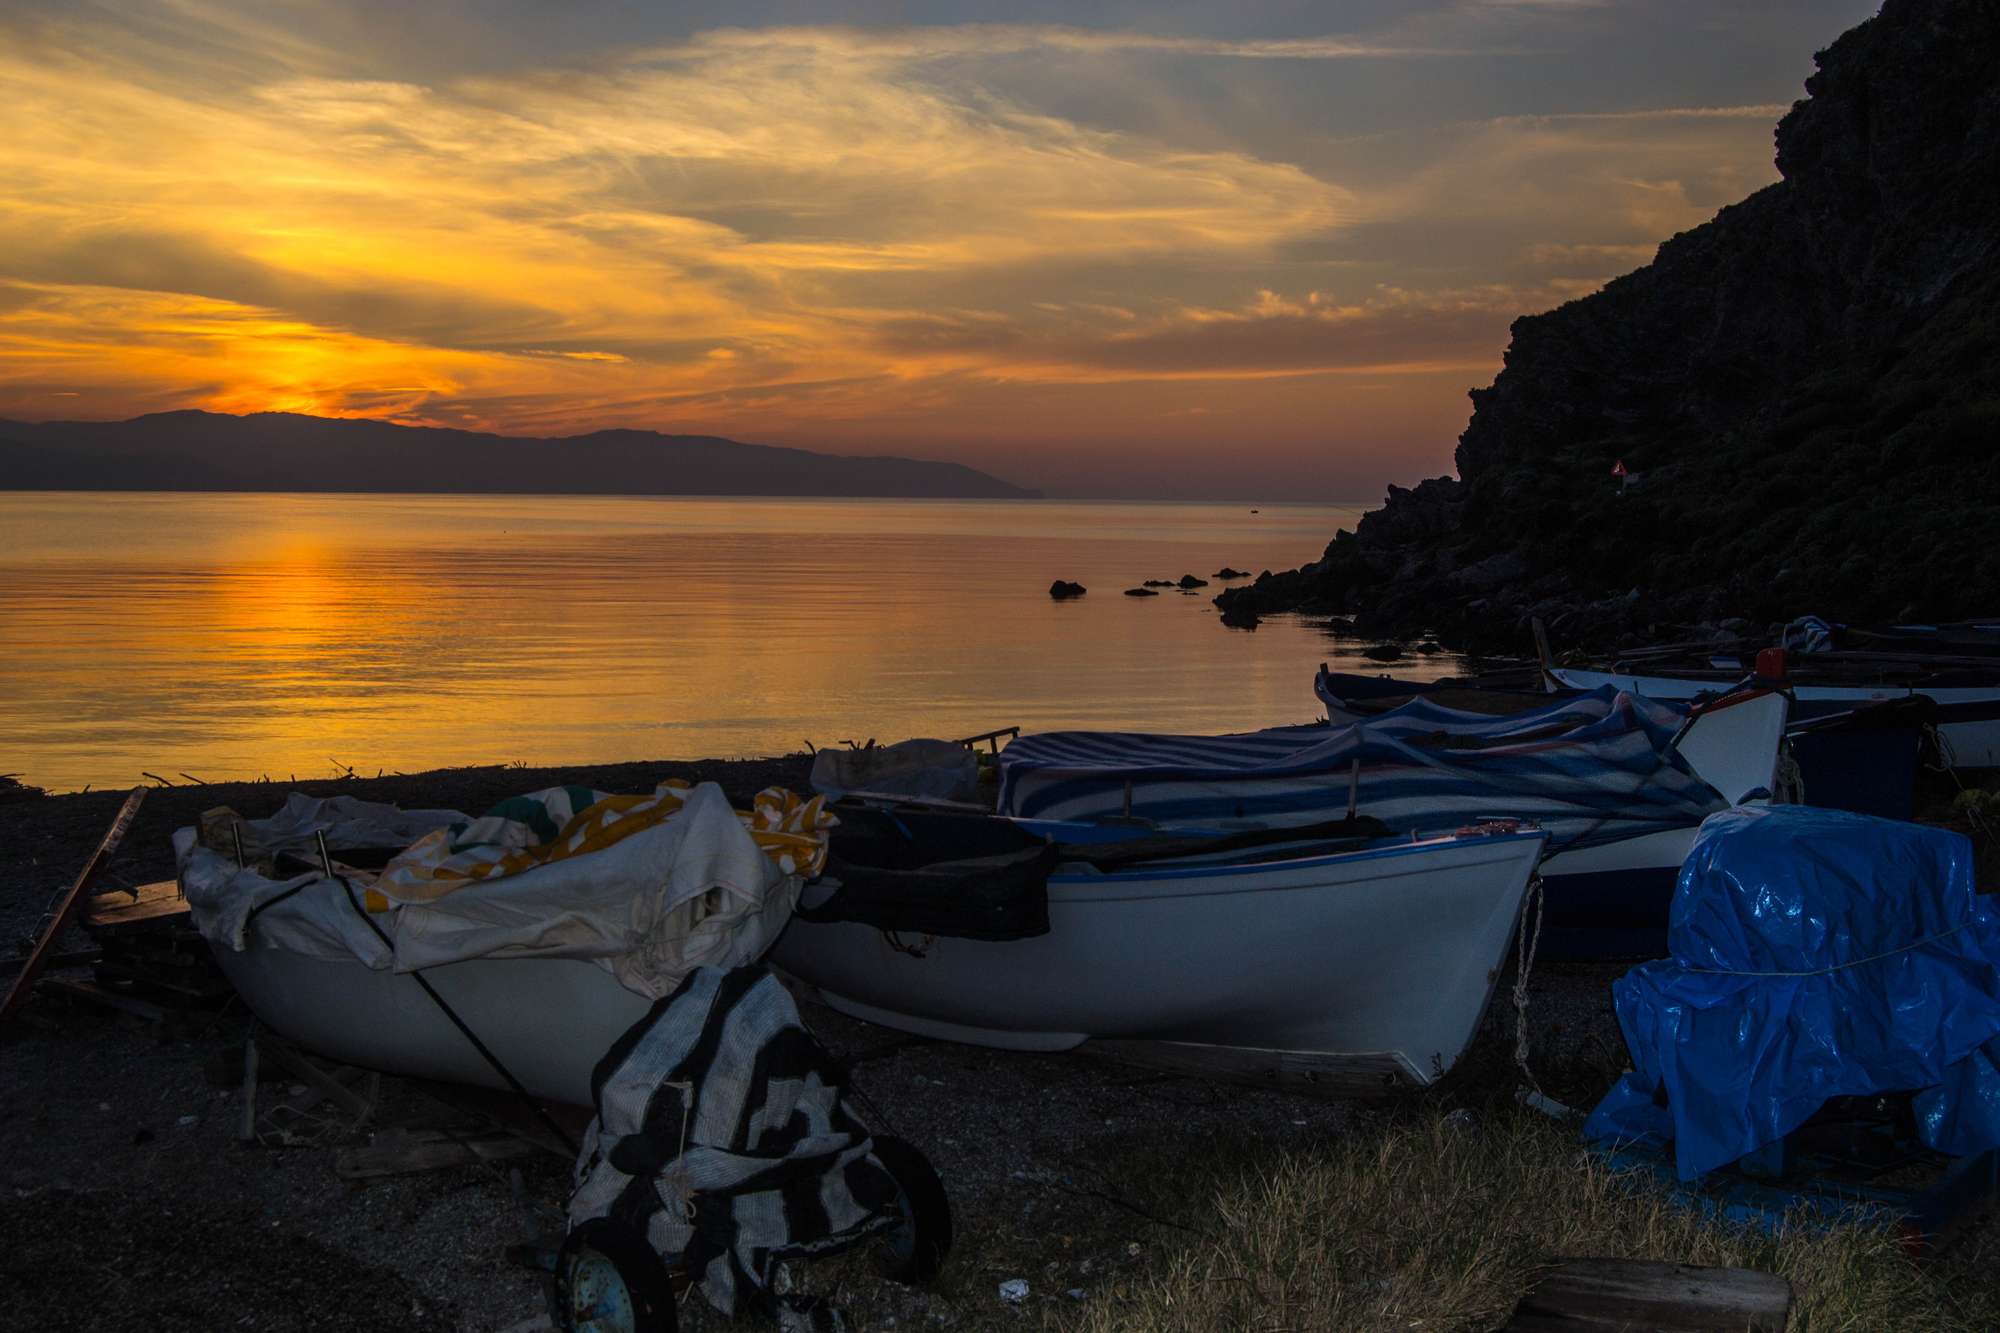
<point>233,636</point>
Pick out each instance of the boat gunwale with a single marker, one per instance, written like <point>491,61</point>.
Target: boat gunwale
<point>1302,863</point>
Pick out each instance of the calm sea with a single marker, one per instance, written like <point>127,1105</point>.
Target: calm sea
<point>237,636</point>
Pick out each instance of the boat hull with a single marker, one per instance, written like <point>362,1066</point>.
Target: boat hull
<point>1387,956</point>
<point>549,1020</point>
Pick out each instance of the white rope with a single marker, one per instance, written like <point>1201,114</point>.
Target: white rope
<point>1947,755</point>
<point>677,1178</point>
<point>1525,943</point>
<point>1837,967</point>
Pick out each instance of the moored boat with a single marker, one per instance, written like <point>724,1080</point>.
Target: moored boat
<point>1352,970</point>
<point>548,1020</point>
<point>1973,743</point>
<point>545,945</point>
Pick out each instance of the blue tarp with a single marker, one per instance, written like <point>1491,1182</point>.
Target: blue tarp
<point>1815,953</point>
<point>1591,769</point>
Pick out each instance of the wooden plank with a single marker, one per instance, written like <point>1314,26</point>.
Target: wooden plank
<point>143,910</point>
<point>74,958</point>
<point>507,1113</point>
<point>1333,1074</point>
<point>1652,1296</point>
<point>396,1152</point>
<point>72,902</point>
<point>273,1129</point>
<point>111,999</point>
<point>246,1124</point>
<point>281,1052</point>
<point>193,983</point>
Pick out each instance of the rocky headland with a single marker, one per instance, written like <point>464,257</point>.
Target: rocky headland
<point>1804,393</point>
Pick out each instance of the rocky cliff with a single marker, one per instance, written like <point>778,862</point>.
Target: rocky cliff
<point>1807,389</point>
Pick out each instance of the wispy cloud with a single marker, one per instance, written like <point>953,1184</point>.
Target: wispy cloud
<point>762,231</point>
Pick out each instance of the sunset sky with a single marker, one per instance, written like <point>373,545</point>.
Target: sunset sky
<point>1145,249</point>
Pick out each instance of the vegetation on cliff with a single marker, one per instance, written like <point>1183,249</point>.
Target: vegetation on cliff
<point>1807,387</point>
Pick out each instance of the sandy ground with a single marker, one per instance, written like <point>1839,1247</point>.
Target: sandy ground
<point>131,1204</point>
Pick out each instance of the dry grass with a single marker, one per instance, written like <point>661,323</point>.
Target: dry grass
<point>1422,1225</point>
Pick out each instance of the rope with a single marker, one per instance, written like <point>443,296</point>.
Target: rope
<point>1947,756</point>
<point>678,1175</point>
<point>541,1112</point>
<point>1791,780</point>
<point>1525,942</point>
<point>1837,967</point>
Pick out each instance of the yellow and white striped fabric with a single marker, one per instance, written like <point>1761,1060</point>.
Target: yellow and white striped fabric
<point>792,831</point>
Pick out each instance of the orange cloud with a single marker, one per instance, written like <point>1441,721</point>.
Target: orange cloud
<point>764,233</point>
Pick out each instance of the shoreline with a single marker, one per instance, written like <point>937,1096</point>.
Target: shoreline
<point>56,832</point>
<point>108,1127</point>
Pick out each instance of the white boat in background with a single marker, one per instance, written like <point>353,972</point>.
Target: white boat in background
<point>1613,899</point>
<point>1973,744</point>
<point>1357,971</point>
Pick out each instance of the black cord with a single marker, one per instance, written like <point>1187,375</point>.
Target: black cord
<point>541,1113</point>
<point>271,902</point>
<point>847,1083</point>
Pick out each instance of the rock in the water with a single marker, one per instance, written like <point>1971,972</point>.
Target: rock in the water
<point>1190,581</point>
<point>1142,592</point>
<point>1227,573</point>
<point>1382,652</point>
<point>1238,619</point>
<point>1062,591</point>
<point>1160,583</point>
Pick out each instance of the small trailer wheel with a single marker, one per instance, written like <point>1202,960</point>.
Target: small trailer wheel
<point>609,1280</point>
<point>916,1250</point>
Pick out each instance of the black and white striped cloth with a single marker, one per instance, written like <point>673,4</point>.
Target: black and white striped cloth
<point>1590,770</point>
<point>721,1137</point>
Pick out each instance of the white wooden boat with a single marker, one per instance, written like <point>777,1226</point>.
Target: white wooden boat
<point>1612,900</point>
<point>1357,971</point>
<point>549,1020</point>
<point>1973,744</point>
<point>545,965</point>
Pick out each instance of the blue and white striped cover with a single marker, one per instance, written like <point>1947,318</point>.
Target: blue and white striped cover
<point>1615,775</point>
<point>1420,715</point>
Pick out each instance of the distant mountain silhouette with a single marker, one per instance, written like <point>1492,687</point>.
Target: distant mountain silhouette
<point>284,451</point>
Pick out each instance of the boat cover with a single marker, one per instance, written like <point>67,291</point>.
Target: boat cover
<point>931,873</point>
<point>1591,769</point>
<point>943,769</point>
<point>648,887</point>
<point>1815,953</point>
<point>347,823</point>
<point>721,1137</point>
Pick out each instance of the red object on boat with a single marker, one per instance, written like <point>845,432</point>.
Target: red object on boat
<point>1771,663</point>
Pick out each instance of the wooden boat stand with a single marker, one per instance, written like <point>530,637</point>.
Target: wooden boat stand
<point>1651,1296</point>
<point>1858,1156</point>
<point>72,903</point>
<point>473,1126</point>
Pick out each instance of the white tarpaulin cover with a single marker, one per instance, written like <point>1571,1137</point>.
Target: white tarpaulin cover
<point>694,884</point>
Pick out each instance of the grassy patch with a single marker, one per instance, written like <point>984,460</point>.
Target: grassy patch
<point>1417,1224</point>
